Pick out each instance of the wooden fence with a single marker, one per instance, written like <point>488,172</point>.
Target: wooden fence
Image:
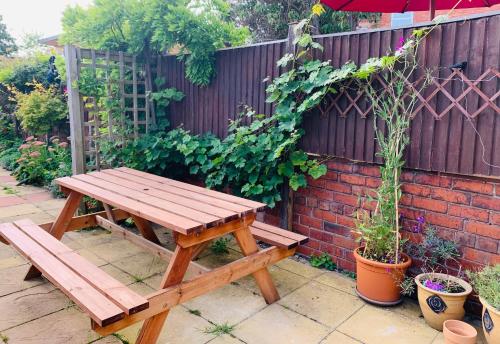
<point>455,129</point>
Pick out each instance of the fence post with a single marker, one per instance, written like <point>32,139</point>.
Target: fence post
<point>75,113</point>
<point>286,210</point>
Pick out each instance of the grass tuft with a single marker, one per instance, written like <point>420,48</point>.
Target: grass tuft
<point>219,330</point>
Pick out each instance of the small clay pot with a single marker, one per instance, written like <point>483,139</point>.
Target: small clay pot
<point>491,322</point>
<point>458,332</point>
<point>379,283</point>
<point>438,306</point>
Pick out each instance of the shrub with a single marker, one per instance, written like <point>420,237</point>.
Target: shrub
<point>8,158</point>
<point>40,164</point>
<point>487,284</point>
<point>41,109</point>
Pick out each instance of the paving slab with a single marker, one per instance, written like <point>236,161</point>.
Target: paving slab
<point>51,204</point>
<point>373,325</point>
<point>118,274</point>
<point>115,250</point>
<point>285,281</point>
<point>142,265</point>
<point>215,260</point>
<point>338,281</point>
<point>322,303</point>
<point>62,327</point>
<point>18,210</point>
<point>9,201</point>
<point>30,304</point>
<point>276,324</point>
<point>91,257</point>
<point>225,339</point>
<point>339,338</point>
<point>230,304</point>
<point>181,327</point>
<point>299,268</point>
<point>12,280</point>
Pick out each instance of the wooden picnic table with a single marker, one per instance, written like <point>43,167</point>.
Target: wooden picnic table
<point>195,215</point>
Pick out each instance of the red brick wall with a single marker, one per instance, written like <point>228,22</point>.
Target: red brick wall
<point>464,209</point>
<point>423,16</point>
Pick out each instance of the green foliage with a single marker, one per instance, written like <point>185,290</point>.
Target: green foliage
<point>269,19</point>
<point>9,157</point>
<point>434,252</point>
<point>40,164</point>
<point>219,246</point>
<point>255,159</point>
<point>487,284</point>
<point>41,109</point>
<point>9,142</point>
<point>219,330</point>
<point>23,74</point>
<point>323,261</point>
<point>197,28</point>
<point>162,99</point>
<point>7,43</point>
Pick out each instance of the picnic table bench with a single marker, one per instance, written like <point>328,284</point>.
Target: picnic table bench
<point>195,215</point>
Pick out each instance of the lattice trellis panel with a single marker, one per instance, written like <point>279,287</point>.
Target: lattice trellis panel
<point>123,111</point>
<point>350,98</point>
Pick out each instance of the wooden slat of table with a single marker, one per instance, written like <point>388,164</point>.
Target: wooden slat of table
<point>100,309</point>
<point>185,186</point>
<point>193,195</point>
<point>126,299</point>
<point>161,217</point>
<point>167,206</point>
<point>186,202</point>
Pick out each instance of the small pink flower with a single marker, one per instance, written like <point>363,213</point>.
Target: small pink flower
<point>30,138</point>
<point>35,154</point>
<point>39,143</point>
<point>24,146</point>
<point>20,160</point>
<point>63,144</point>
<point>51,149</point>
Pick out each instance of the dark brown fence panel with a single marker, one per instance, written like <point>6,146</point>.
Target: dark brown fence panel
<point>456,128</point>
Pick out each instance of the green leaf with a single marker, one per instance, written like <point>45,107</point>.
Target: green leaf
<point>298,158</point>
<point>297,181</point>
<point>317,171</point>
<point>285,169</point>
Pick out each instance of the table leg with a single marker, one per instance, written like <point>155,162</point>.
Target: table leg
<point>60,225</point>
<point>145,228</point>
<point>248,246</point>
<point>176,270</point>
<point>200,248</point>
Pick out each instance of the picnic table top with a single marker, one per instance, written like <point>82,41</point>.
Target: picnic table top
<point>179,206</point>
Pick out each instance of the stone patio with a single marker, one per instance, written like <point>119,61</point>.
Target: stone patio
<point>317,306</point>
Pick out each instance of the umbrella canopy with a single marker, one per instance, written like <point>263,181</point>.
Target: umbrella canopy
<point>395,6</point>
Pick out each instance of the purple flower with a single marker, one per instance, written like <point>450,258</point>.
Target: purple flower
<point>401,43</point>
<point>433,285</point>
<point>421,219</point>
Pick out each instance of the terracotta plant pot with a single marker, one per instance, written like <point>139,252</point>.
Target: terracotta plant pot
<point>438,306</point>
<point>458,332</point>
<point>379,283</point>
<point>491,323</point>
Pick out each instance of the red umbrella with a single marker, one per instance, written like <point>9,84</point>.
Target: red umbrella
<point>395,6</point>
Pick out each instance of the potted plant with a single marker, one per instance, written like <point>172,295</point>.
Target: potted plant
<point>380,262</point>
<point>487,285</point>
<point>441,296</point>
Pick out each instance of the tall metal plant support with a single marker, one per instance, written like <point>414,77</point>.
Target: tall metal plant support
<point>127,80</point>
